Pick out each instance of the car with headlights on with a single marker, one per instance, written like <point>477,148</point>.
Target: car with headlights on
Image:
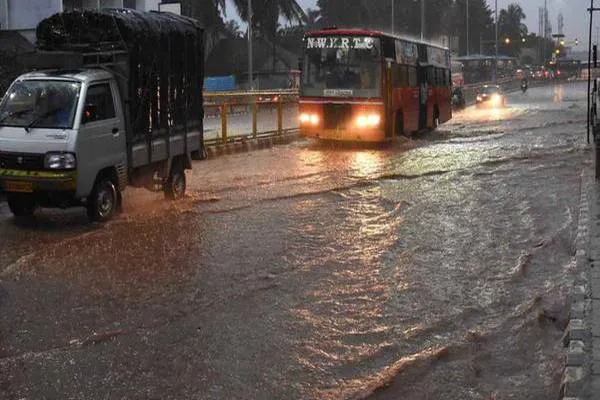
<point>490,96</point>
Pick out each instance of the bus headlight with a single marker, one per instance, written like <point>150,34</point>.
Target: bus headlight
<point>306,118</point>
<point>60,161</point>
<point>370,120</point>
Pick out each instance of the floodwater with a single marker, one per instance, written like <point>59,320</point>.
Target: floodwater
<point>437,267</point>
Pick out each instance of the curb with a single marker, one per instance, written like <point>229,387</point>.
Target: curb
<point>577,338</point>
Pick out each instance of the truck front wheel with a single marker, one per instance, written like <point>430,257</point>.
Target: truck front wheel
<point>103,203</point>
<point>175,185</point>
<point>21,205</point>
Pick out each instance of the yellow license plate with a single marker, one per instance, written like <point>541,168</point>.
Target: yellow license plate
<point>16,186</point>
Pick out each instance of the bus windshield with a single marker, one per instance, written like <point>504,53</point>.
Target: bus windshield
<point>342,67</point>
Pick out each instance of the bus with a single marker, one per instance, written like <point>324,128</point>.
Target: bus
<point>369,86</point>
<point>565,68</point>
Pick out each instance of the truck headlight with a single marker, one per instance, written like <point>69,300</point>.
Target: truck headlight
<point>60,161</point>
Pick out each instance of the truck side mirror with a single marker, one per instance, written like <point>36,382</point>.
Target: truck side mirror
<point>300,64</point>
<point>90,113</point>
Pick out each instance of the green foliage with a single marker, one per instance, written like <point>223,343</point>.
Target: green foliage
<point>513,30</point>
<point>480,23</point>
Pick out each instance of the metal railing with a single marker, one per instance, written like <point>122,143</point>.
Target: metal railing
<point>238,116</point>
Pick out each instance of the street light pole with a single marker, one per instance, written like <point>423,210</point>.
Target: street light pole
<point>422,19</point>
<point>468,44</point>
<point>393,16</point>
<point>589,80</point>
<point>496,57</point>
<point>250,80</point>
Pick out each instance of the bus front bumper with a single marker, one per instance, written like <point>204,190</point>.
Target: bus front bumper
<point>366,135</point>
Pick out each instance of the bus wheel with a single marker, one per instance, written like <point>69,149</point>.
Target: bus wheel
<point>399,124</point>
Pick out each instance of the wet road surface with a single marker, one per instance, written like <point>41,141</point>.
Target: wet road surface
<point>435,268</point>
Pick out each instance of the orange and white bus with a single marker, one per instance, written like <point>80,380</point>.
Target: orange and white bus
<point>363,85</point>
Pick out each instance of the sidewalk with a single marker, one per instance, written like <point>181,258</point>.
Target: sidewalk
<point>593,303</point>
<point>581,378</point>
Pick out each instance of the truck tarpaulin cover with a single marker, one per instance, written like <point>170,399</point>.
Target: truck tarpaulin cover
<point>165,61</point>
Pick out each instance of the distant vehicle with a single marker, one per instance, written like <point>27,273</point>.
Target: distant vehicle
<point>565,69</point>
<point>524,85</point>
<point>458,98</point>
<point>539,74</point>
<point>490,96</point>
<point>365,85</point>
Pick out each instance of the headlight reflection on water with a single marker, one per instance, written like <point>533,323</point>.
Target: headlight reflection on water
<point>474,114</point>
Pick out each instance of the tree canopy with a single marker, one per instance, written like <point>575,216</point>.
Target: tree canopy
<point>444,19</point>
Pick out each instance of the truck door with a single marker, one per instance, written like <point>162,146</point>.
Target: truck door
<point>101,140</point>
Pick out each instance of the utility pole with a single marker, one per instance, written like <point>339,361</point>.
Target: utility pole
<point>250,16</point>
<point>496,57</point>
<point>468,43</point>
<point>545,49</point>
<point>393,16</point>
<point>422,19</point>
<point>589,81</point>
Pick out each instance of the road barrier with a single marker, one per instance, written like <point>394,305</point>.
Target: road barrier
<point>224,105</point>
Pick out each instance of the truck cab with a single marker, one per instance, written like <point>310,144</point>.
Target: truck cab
<point>59,130</point>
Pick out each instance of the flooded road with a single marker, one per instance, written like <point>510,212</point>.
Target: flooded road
<point>434,268</point>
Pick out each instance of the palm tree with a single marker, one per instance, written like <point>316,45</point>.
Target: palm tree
<point>265,20</point>
<point>208,13</point>
<point>233,29</point>
<point>265,17</point>
<point>313,18</point>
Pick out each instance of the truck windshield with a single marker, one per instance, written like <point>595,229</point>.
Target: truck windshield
<point>342,66</point>
<point>40,104</point>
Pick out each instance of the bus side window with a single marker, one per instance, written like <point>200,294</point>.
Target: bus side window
<point>389,48</point>
<point>431,76</point>
<point>413,79</point>
<point>439,77</point>
<point>400,76</point>
<point>403,76</point>
<point>396,76</point>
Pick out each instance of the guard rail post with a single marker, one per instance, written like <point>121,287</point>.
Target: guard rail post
<point>223,123</point>
<point>280,115</point>
<point>254,116</point>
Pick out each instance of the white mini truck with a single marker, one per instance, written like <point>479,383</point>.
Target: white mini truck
<point>78,135</point>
